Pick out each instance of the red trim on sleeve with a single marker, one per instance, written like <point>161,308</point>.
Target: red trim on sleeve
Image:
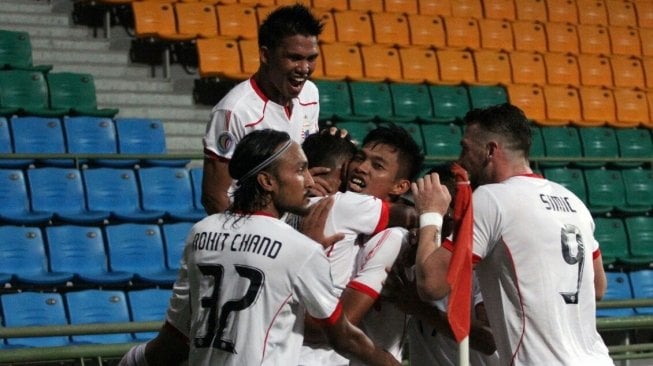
<point>596,253</point>
<point>331,320</point>
<point>360,287</point>
<point>384,220</point>
<point>448,245</point>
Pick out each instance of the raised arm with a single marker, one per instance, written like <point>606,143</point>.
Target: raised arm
<point>215,185</point>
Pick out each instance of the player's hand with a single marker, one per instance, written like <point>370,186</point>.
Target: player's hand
<point>313,223</point>
<point>431,196</point>
<point>321,187</point>
<point>335,131</point>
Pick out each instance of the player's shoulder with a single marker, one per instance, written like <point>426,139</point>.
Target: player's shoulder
<point>309,90</point>
<point>240,96</point>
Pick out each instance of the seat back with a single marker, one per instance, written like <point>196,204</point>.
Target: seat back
<point>611,235</point>
<point>483,96</point>
<point>381,63</point>
<point>197,19</point>
<point>70,90</point>
<point>426,30</point>
<point>23,89</point>
<point>562,37</point>
<point>22,251</point>
<point>14,198</point>
<point>562,104</point>
<point>456,66</point>
<point>442,140</point>
<point>90,135</point>
<point>411,101</point>
<point>605,190</point>
<point>561,142</point>
<point>140,136</point>
<point>27,309</point>
<point>467,8</point>
<point>620,13</point>
<point>111,189</point>
<point>450,102</point>
<point>597,104</point>
<point>499,9</point>
<point>390,28</point>
<point>76,249</point>
<point>98,306</point>
<point>527,67</point>
<point>419,65</point>
<point>624,41</point>
<point>627,72</point>
<point>434,7</point>
<point>531,10</point>
<point>562,11</point>
<point>572,179</point>
<point>496,34</point>
<point>537,143</point>
<point>371,100</point>
<point>15,49</point>
<point>642,282</point>
<point>135,248</point>
<point>632,108</point>
<point>357,129</point>
<point>530,98</point>
<point>219,57</point>
<point>166,189</point>
<point>196,175</point>
<point>462,32</point>
<point>401,6</point>
<point>174,236</point>
<point>353,26</point>
<point>599,142</point>
<point>640,236</point>
<point>237,20</point>
<point>367,5</point>
<point>594,39</point>
<point>492,67</point>
<point>335,98</point>
<point>146,306</point>
<point>618,289</point>
<point>56,190</point>
<point>562,69</point>
<point>595,70</point>
<point>638,184</point>
<point>592,12</point>
<point>341,61</point>
<point>529,36</point>
<point>250,58</point>
<point>634,142</point>
<point>37,135</point>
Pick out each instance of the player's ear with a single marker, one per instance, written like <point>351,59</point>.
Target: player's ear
<point>267,181</point>
<point>401,187</point>
<point>264,54</point>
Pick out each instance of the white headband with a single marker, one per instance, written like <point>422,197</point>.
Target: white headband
<point>265,162</point>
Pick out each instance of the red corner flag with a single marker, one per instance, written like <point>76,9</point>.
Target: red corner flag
<point>459,275</point>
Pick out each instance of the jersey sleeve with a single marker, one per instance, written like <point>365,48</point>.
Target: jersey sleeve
<point>487,218</point>
<point>356,214</point>
<point>178,313</point>
<point>222,134</point>
<point>314,288</point>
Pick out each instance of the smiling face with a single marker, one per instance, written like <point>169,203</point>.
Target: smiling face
<point>374,171</point>
<point>285,69</point>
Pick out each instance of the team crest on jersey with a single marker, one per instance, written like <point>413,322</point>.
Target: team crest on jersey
<point>225,142</point>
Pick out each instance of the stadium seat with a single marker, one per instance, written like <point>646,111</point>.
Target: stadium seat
<point>174,237</point>
<point>325,15</point>
<point>250,57</point>
<point>419,65</point>
<point>492,67</point>
<point>390,28</point>
<point>649,123</point>
<point>612,238</point>
<point>592,12</point>
<point>644,11</point>
<point>98,306</point>
<point>196,18</point>
<point>157,21</point>
<point>595,70</point>
<point>462,32</point>
<point>598,143</point>
<point>434,7</point>
<point>605,190</point>
<point>373,6</point>
<point>642,282</point>
<point>411,102</point>
<point>618,289</point>
<point>482,96</point>
<point>196,174</point>
<point>219,57</point>
<point>237,21</point>
<point>442,141</point>
<point>357,129</point>
<point>638,185</point>
<point>450,102</point>
<point>353,26</point>
<point>627,72</point>
<point>499,9</point>
<point>400,6</point>
<point>371,101</point>
<point>530,98</point>
<point>75,93</point>
<point>426,30</point>
<point>625,41</point>
<point>456,66</point>
<point>529,36</point>
<point>537,143</point>
<point>330,5</point>
<point>598,106</point>
<point>527,67</point>
<point>5,142</point>
<point>594,39</point>
<point>144,136</point>
<point>80,250</point>
<point>148,305</point>
<point>531,10</point>
<point>570,178</point>
<point>15,200</point>
<point>116,191</point>
<point>562,37</point>
<point>381,63</point>
<point>39,135</point>
<point>561,69</point>
<point>90,135</point>
<point>341,61</point>
<point>496,34</point>
<point>24,259</point>
<point>169,189</point>
<point>335,99</point>
<point>647,65</point>
<point>61,191</point>
<point>467,8</point>
<point>562,11</point>
<point>138,249</point>
<point>33,309</point>
<point>634,143</point>
<point>16,52</point>
<point>621,13</point>
<point>25,92</point>
<point>632,108</point>
<point>640,237</point>
<point>561,142</point>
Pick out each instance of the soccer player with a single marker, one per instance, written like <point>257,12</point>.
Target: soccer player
<point>532,243</point>
<point>278,96</point>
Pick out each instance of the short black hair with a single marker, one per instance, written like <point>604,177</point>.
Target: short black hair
<point>287,21</point>
<point>505,120</point>
<point>410,154</point>
<point>325,149</point>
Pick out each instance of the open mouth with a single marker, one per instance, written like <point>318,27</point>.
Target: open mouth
<point>356,184</point>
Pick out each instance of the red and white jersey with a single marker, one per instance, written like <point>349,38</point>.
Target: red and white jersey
<point>534,244</point>
<point>245,109</point>
<point>249,281</point>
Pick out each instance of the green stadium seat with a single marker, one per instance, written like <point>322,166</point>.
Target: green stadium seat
<point>450,102</point>
<point>598,142</point>
<point>638,185</point>
<point>612,238</point>
<point>75,93</point>
<point>442,141</point>
<point>605,190</point>
<point>371,101</point>
<point>634,143</point>
<point>482,96</point>
<point>561,142</point>
<point>571,178</point>
<point>335,99</point>
<point>357,129</point>
<point>413,129</point>
<point>16,52</point>
<point>411,102</point>
<point>640,237</point>
<point>537,144</point>
<point>25,92</point>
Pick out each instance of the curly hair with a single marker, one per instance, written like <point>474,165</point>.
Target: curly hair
<point>287,21</point>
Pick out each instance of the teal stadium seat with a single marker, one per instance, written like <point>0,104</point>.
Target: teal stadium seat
<point>640,237</point>
<point>605,190</point>
<point>411,102</point>
<point>25,92</point>
<point>16,52</point>
<point>450,102</point>
<point>598,143</point>
<point>357,129</point>
<point>537,143</point>
<point>482,96</point>
<point>638,185</point>
<point>442,141</point>
<point>612,238</point>
<point>571,178</point>
<point>75,93</point>
<point>561,142</point>
<point>335,99</point>
<point>371,101</point>
<point>634,143</point>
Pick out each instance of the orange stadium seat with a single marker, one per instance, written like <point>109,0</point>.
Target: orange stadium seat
<point>561,69</point>
<point>219,57</point>
<point>374,6</point>
<point>499,9</point>
<point>592,12</point>
<point>492,67</point>
<point>597,105</point>
<point>529,35</point>
<point>621,13</point>
<point>434,7</point>
<point>456,66</point>
<point>462,32</point>
<point>260,3</point>
<point>627,72</point>
<point>562,11</point>
<point>237,20</point>
<point>381,63</point>
<point>632,108</point>
<point>644,13</point>
<point>531,10</point>
<point>647,64</point>
<point>249,56</point>
<point>329,29</point>
<point>496,34</point>
<point>419,65</point>
<point>331,4</point>
<point>594,39</point>
<point>646,37</point>
<point>527,67</point>
<point>353,26</point>
<point>426,30</point>
<point>401,6</point>
<point>562,104</point>
<point>562,37</point>
<point>197,18</point>
<point>155,19</point>
<point>625,41</point>
<point>595,70</point>
<point>391,28</point>
<point>307,3</point>
<point>341,61</point>
<point>530,98</point>
<point>649,98</point>
<point>467,8</point>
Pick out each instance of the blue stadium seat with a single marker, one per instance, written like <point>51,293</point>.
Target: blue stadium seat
<point>174,236</point>
<point>40,135</point>
<point>6,147</point>
<point>61,191</point>
<point>80,250</point>
<point>144,136</point>
<point>90,135</point>
<point>618,289</point>
<point>27,309</point>
<point>139,249</point>
<point>196,175</point>
<point>23,256</point>
<point>146,306</point>
<point>98,306</point>
<point>169,189</point>
<point>116,191</point>
<point>15,200</point>
<point>642,281</point>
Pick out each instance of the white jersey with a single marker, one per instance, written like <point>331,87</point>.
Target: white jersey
<point>534,240</point>
<point>245,109</point>
<point>248,283</point>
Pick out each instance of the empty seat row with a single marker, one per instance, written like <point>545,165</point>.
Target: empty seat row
<point>88,255</point>
<point>83,135</point>
<point>82,307</point>
<point>93,196</point>
<point>625,242</point>
<point>635,284</point>
<point>16,51</point>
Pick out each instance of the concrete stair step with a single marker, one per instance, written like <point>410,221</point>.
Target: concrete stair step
<point>194,113</point>
<point>184,144</point>
<point>49,31</point>
<point>152,99</point>
<point>50,43</point>
<point>103,84</point>
<point>25,18</point>
<point>14,6</point>
<point>104,70</point>
<point>55,57</point>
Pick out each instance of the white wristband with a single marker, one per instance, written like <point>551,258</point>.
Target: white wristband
<point>430,218</point>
